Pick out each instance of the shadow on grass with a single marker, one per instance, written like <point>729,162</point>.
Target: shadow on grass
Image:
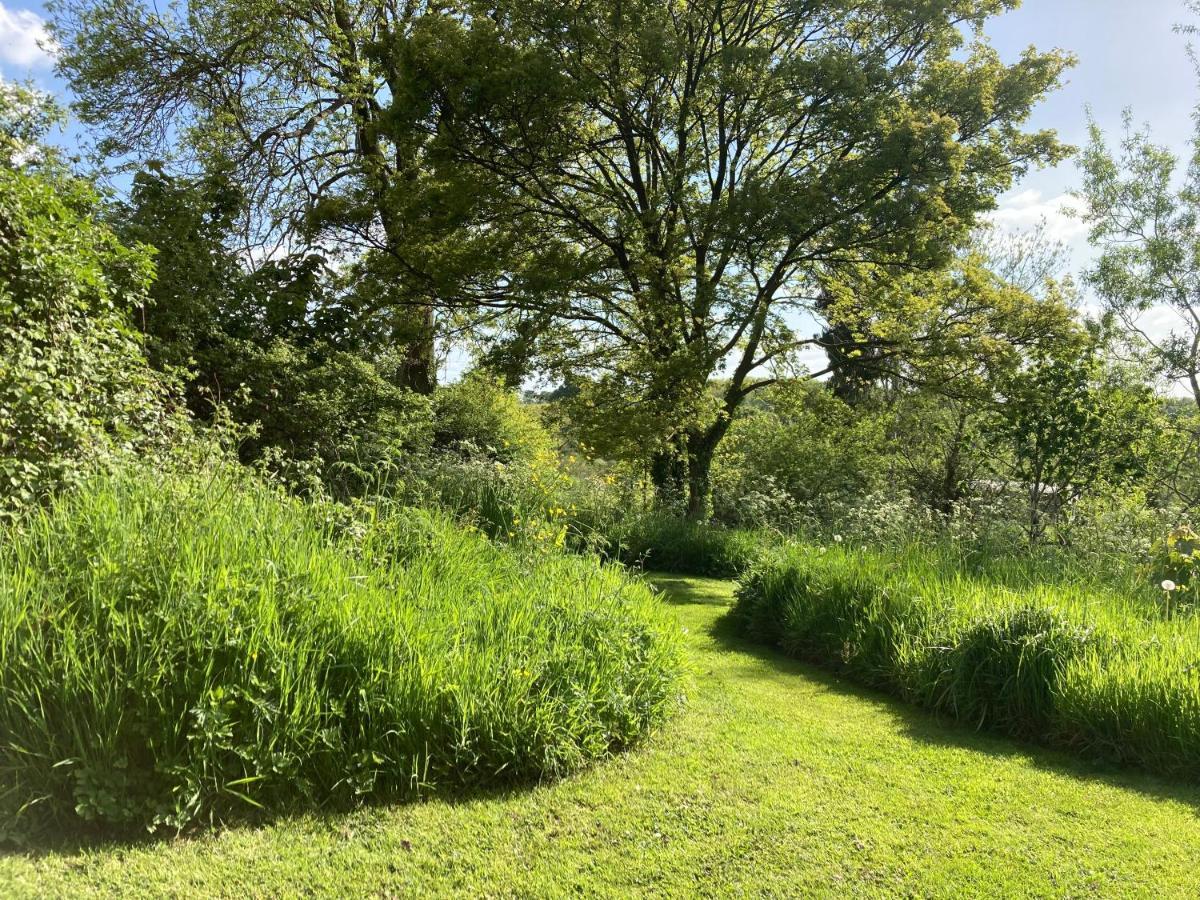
<point>687,590</point>
<point>94,839</point>
<point>913,721</point>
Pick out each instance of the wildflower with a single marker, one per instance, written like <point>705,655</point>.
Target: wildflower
<point>1168,585</point>
<point>837,538</point>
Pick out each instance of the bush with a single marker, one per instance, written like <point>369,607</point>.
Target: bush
<point>177,647</point>
<point>796,446</point>
<point>74,385</point>
<point>1007,647</point>
<point>479,415</point>
<point>334,414</point>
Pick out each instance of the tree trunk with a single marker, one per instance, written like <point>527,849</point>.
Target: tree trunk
<point>701,450</point>
<point>419,372</point>
<point>950,492</point>
<point>668,474</point>
<point>699,500</point>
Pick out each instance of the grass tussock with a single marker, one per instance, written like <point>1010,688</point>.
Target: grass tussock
<point>175,648</point>
<point>1102,673</point>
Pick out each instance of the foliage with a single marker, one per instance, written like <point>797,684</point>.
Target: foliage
<point>279,346</point>
<point>685,184</point>
<point>178,647</point>
<point>74,385</point>
<point>524,502</point>
<point>663,542</point>
<point>300,130</point>
<point>480,413</point>
<point>801,444</point>
<point>1148,234</point>
<point>330,413</point>
<point>26,115</point>
<point>1071,423</point>
<point>1027,652</point>
<point>1176,560</point>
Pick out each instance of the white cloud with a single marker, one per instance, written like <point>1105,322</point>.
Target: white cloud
<point>1026,210</point>
<point>24,41</point>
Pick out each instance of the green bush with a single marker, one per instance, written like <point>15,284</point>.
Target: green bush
<point>335,415</point>
<point>74,385</point>
<point>797,446</point>
<point>1010,647</point>
<point>177,647</point>
<point>479,415</point>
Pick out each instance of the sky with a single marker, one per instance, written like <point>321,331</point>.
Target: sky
<point>1128,58</point>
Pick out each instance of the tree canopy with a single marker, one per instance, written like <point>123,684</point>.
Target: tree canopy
<point>686,178</point>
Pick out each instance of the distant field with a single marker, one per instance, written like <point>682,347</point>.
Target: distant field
<point>778,780</point>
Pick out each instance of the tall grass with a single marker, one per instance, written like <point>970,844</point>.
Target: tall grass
<point>664,542</point>
<point>1099,671</point>
<point>539,503</point>
<point>176,647</point>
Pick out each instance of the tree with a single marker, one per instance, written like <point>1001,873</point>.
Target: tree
<point>798,445</point>
<point>279,347</point>
<point>1073,421</point>
<point>937,345</point>
<point>1148,232</point>
<point>26,115</point>
<point>685,178</point>
<point>290,102</point>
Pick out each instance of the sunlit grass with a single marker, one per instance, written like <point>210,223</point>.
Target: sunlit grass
<point>776,780</point>
<point>1098,670</point>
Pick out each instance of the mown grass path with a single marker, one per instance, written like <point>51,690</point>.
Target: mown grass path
<point>776,781</point>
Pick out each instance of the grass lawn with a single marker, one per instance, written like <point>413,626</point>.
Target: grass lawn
<point>777,780</point>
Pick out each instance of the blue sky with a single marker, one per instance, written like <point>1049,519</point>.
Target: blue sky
<point>1129,57</point>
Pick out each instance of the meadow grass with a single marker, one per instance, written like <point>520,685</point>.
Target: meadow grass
<point>178,647</point>
<point>664,542</point>
<point>1003,645</point>
<point>777,780</point>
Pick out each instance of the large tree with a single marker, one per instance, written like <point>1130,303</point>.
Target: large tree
<point>1147,229</point>
<point>685,177</point>
<point>290,100</point>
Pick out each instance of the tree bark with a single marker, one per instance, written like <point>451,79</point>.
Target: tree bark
<point>419,373</point>
<point>668,474</point>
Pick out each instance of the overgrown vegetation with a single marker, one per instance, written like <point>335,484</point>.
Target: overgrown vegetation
<point>347,386</point>
<point>1019,648</point>
<point>179,647</point>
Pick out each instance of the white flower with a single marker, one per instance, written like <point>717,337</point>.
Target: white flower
<point>1169,585</point>
<point>837,538</point>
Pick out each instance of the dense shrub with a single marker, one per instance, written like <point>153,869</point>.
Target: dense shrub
<point>336,416</point>
<point>547,501</point>
<point>1007,648</point>
<point>478,414</point>
<point>176,647</point>
<point>74,385</point>
<point>797,446</point>
<point>667,543</point>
